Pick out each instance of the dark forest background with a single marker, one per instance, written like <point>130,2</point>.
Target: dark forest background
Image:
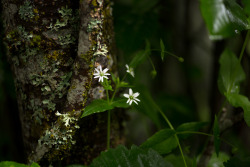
<point>187,91</point>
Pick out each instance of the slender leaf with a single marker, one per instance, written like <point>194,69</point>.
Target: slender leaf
<point>162,141</point>
<point>216,132</point>
<point>224,18</point>
<point>238,100</point>
<point>96,106</point>
<point>230,73</point>
<point>190,126</point>
<point>162,49</point>
<point>135,157</point>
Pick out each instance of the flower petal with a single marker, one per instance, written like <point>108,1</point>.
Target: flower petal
<point>130,92</point>
<point>126,95</point>
<point>136,94</point>
<point>105,77</point>
<point>105,70</point>
<point>136,99</point>
<point>130,102</point>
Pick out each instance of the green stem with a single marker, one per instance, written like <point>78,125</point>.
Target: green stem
<point>205,134</point>
<point>164,116</point>
<point>194,132</point>
<point>171,127</point>
<point>177,139</point>
<point>151,63</point>
<point>244,45</point>
<point>108,131</point>
<point>107,94</point>
<point>113,96</point>
<point>171,54</point>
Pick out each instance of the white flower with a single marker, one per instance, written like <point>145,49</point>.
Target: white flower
<point>101,74</point>
<point>132,97</point>
<point>130,70</point>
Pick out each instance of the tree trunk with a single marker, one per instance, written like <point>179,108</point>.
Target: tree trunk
<point>53,47</point>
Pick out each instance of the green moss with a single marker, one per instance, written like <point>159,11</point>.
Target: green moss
<point>94,3</point>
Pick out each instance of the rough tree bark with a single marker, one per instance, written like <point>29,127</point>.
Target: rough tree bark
<point>53,48</point>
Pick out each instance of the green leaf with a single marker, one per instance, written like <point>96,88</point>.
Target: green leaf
<point>238,100</point>
<point>190,126</point>
<point>96,106</point>
<point>218,160</point>
<point>162,141</point>
<point>162,49</point>
<point>216,132</point>
<point>124,85</point>
<point>120,102</point>
<point>237,162</point>
<point>224,18</point>
<point>140,56</point>
<point>135,157</point>
<point>15,164</point>
<point>230,73</point>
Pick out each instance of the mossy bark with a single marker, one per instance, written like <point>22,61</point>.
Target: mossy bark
<point>53,47</point>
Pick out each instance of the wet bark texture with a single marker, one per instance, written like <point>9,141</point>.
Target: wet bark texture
<point>53,47</point>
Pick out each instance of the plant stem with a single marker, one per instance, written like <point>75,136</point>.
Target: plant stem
<point>205,134</point>
<point>112,98</point>
<point>165,117</point>
<point>108,131</point>
<point>107,94</point>
<point>244,45</point>
<point>171,54</point>
<point>171,127</point>
<point>194,132</point>
<point>151,63</point>
<point>177,139</point>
